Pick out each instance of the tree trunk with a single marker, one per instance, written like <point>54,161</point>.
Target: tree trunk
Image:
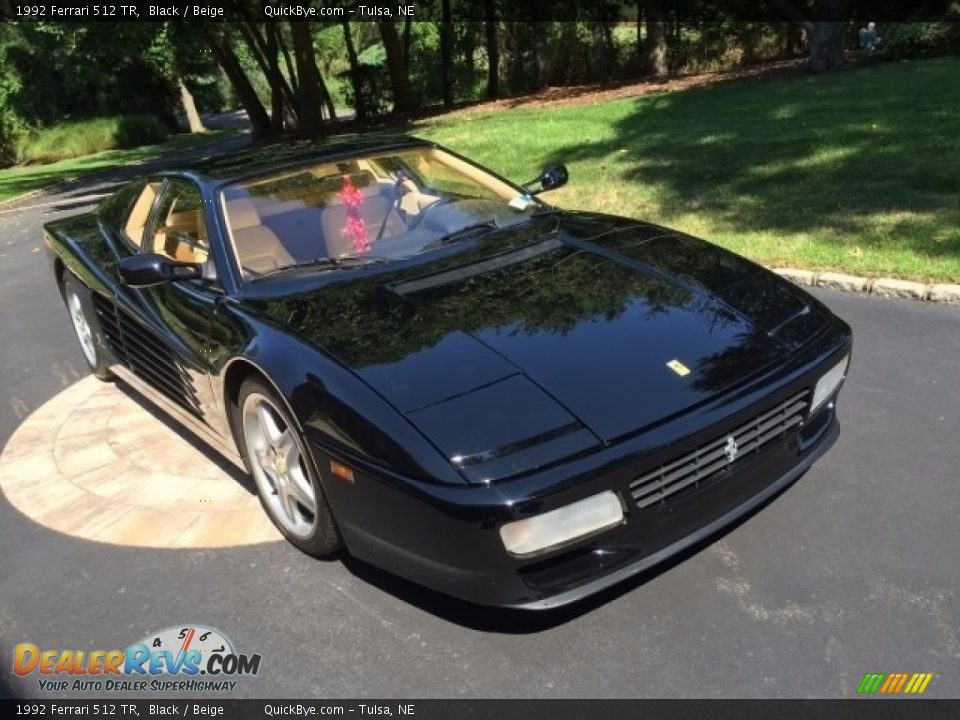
<point>407,25</point>
<point>656,46</point>
<point>747,38</point>
<point>264,48</point>
<point>359,108</point>
<point>293,107</point>
<point>493,50</point>
<point>308,79</point>
<point>600,67</point>
<point>828,35</point>
<point>792,36</point>
<point>327,98</point>
<point>190,109</point>
<point>287,61</point>
<point>640,5</point>
<point>264,51</point>
<point>826,45</point>
<point>404,99</point>
<point>446,54</point>
<point>227,59</point>
<point>468,48</point>
<point>540,65</point>
<point>281,96</point>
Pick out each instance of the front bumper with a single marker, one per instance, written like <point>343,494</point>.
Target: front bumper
<point>447,537</point>
<point>696,536</point>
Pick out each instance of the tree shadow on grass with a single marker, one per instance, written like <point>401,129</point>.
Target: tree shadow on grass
<point>853,158</point>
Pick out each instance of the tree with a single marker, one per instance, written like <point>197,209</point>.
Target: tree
<point>175,53</point>
<point>446,54</point>
<point>404,99</point>
<point>655,56</point>
<point>227,58</point>
<point>493,50</point>
<point>311,93</point>
<point>827,35</point>
<point>264,46</point>
<point>356,79</point>
<point>194,123</point>
<point>826,45</point>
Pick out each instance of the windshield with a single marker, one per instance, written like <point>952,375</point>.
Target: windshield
<point>379,206</point>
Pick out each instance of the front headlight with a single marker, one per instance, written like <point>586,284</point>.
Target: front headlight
<point>828,384</point>
<point>566,523</point>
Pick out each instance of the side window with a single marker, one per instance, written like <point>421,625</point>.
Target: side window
<point>179,230</point>
<point>115,209</point>
<point>137,219</point>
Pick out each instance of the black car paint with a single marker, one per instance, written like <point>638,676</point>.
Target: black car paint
<point>488,395</point>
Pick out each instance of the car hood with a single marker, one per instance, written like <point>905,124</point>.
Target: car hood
<point>548,340</point>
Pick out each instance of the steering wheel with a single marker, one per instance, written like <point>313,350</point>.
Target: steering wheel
<point>446,200</point>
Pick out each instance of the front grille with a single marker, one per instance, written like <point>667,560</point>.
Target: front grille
<point>709,462</point>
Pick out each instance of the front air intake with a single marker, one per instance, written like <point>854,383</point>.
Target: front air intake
<point>711,461</point>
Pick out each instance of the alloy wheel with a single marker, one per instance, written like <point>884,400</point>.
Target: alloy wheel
<point>82,328</point>
<point>277,461</point>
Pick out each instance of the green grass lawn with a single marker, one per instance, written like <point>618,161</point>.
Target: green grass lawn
<point>27,178</point>
<point>856,171</point>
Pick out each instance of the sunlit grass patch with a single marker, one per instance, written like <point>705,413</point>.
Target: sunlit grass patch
<point>855,171</point>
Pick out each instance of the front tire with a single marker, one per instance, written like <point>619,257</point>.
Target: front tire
<point>84,320</point>
<point>286,480</point>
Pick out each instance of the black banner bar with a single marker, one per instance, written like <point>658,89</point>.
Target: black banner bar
<point>465,10</point>
<point>202,709</point>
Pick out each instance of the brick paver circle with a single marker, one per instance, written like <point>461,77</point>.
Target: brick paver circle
<point>94,462</point>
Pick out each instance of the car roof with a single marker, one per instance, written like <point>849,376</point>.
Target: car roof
<point>264,157</point>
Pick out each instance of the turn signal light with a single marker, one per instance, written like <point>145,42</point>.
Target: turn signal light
<point>341,471</point>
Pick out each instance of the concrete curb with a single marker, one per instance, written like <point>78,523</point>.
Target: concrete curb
<point>883,287</point>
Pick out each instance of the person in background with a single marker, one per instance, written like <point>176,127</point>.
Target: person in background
<point>869,39</point>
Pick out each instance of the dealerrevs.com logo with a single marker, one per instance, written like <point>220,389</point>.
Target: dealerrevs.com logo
<point>186,658</point>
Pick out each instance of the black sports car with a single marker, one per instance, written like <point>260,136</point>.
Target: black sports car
<point>422,363</point>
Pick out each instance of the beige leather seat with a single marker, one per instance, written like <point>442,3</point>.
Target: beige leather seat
<point>258,247</point>
<point>140,214</point>
<point>372,210</point>
<point>189,243</point>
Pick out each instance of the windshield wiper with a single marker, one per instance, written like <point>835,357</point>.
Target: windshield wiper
<point>326,263</point>
<point>460,234</point>
<point>365,259</point>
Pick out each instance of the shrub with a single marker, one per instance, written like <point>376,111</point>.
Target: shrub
<point>13,127</point>
<point>374,87</point>
<point>920,39</point>
<point>85,137</point>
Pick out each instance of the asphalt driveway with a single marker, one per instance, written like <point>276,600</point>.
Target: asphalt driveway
<point>854,569</point>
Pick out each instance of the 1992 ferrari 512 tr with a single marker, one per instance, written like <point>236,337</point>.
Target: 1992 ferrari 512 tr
<point>422,363</point>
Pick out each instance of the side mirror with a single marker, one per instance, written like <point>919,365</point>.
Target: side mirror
<point>552,177</point>
<point>140,271</point>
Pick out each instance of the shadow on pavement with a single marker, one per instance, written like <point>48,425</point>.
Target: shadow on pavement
<point>6,689</point>
<point>212,454</point>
